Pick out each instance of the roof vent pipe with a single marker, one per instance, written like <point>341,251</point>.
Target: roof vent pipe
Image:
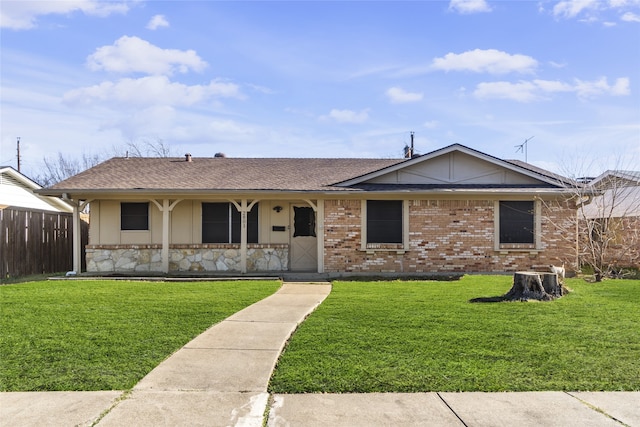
<point>187,158</point>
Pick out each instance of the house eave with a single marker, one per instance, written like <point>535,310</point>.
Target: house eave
<point>85,194</point>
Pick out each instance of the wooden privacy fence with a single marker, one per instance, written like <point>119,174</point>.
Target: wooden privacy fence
<point>37,242</point>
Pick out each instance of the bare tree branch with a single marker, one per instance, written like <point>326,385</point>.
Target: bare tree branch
<point>63,166</point>
<point>607,220</point>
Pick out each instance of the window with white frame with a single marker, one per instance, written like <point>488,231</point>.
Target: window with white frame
<point>384,223</point>
<point>517,224</point>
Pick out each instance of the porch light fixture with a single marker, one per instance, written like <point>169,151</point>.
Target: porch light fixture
<point>277,208</point>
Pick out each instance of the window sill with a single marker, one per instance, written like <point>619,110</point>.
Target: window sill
<point>372,248</point>
<point>510,251</point>
<point>517,246</point>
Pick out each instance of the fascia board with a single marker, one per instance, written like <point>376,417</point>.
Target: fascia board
<point>275,194</point>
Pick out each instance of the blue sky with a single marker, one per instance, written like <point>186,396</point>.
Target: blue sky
<point>323,79</point>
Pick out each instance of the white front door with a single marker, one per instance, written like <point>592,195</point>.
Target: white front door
<point>304,243</point>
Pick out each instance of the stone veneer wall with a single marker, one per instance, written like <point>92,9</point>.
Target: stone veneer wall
<point>444,236</point>
<point>197,258</point>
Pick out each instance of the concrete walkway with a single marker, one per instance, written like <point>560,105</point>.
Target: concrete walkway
<point>220,379</point>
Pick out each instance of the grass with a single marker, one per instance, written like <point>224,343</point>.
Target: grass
<point>427,336</point>
<point>106,335</point>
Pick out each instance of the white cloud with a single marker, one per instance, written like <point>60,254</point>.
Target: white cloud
<point>528,91</point>
<point>469,6</point>
<point>157,21</point>
<point>572,8</point>
<point>593,10</point>
<point>488,61</point>
<point>630,17</point>
<point>557,64</point>
<point>132,54</point>
<point>348,116</point>
<point>552,86</point>
<point>150,90</point>
<point>22,15</point>
<point>399,96</point>
<point>601,87</point>
<point>522,91</point>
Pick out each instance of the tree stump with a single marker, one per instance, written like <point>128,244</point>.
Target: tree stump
<point>540,286</point>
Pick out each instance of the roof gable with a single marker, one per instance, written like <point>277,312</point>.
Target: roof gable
<point>455,165</point>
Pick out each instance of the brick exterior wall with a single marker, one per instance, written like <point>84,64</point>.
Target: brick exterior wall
<point>444,236</point>
<point>624,251</point>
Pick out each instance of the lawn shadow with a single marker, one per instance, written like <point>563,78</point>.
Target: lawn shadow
<point>490,299</point>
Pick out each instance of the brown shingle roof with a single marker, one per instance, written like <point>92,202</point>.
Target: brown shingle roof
<point>220,173</point>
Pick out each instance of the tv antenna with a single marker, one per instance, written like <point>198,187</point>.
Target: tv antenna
<point>523,148</point>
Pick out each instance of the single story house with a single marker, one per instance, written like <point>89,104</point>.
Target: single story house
<point>452,210</point>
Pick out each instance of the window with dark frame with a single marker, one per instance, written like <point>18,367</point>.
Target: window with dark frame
<point>221,223</point>
<point>384,221</point>
<point>134,216</point>
<point>517,222</point>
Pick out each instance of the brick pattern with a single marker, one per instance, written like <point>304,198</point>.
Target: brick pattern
<point>624,250</point>
<point>444,236</point>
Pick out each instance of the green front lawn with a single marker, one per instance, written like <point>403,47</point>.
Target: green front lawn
<point>427,336</point>
<point>103,335</point>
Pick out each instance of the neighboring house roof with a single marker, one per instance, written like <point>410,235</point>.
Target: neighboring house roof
<point>16,190</point>
<point>621,196</point>
<point>453,168</point>
<point>616,177</point>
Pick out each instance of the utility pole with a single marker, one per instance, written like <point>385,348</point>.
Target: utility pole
<point>18,154</point>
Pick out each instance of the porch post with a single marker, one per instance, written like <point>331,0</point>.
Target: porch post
<point>243,236</point>
<point>320,233</point>
<point>77,238</point>
<point>165,235</point>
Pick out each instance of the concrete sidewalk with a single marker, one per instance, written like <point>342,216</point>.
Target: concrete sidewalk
<point>529,409</point>
<point>220,379</point>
